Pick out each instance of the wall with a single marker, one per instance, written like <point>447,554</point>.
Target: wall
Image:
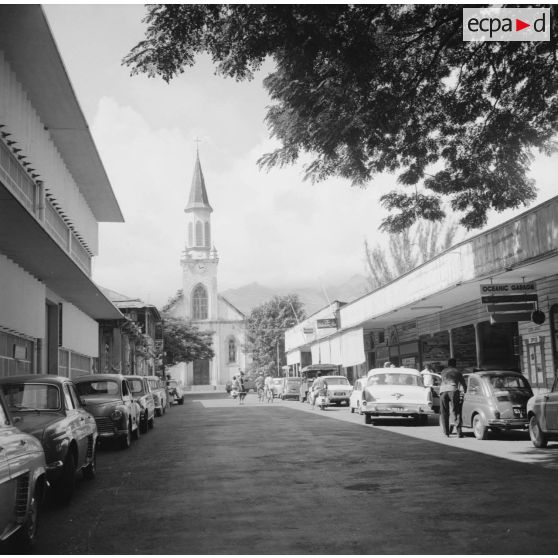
<point>22,121</point>
<point>22,300</point>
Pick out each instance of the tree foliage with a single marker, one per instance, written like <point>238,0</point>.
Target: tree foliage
<point>366,89</point>
<point>266,326</point>
<point>184,342</point>
<point>407,250</point>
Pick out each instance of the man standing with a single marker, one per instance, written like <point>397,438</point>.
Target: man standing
<point>449,395</point>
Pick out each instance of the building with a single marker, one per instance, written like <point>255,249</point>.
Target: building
<point>489,301</point>
<point>200,302</point>
<point>54,192</point>
<point>133,344</point>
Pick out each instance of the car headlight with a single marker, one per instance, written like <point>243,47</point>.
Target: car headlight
<point>116,414</point>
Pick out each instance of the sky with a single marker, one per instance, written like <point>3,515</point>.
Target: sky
<point>272,227</point>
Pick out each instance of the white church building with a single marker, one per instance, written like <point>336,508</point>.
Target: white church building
<point>201,304</point>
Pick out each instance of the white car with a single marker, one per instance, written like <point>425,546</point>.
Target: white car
<point>338,389</point>
<point>355,398</point>
<point>396,392</point>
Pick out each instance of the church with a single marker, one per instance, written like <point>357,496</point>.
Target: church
<point>200,302</point>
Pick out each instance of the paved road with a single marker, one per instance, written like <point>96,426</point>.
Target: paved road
<point>214,477</point>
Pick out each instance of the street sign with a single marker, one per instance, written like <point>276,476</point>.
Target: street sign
<point>507,288</point>
<point>326,323</point>
<point>308,330</point>
<point>509,298</point>
<point>517,307</point>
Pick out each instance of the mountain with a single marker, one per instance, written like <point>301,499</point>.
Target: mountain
<point>314,298</point>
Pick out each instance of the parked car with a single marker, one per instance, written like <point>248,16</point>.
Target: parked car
<point>49,408</point>
<point>338,389</point>
<point>22,480</point>
<point>434,385</point>
<point>355,398</point>
<point>109,399</point>
<point>160,395</point>
<point>542,414</point>
<point>495,400</point>
<point>277,386</point>
<point>144,398</point>
<point>290,388</point>
<point>396,392</point>
<point>176,393</point>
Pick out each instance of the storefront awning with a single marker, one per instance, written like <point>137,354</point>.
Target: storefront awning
<point>293,357</point>
<point>352,347</point>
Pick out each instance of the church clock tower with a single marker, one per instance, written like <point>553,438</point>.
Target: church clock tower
<point>199,261</point>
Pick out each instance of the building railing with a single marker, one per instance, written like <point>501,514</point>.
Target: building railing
<point>14,176</point>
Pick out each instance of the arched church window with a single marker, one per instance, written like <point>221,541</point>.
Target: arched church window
<point>190,234</point>
<point>232,350</point>
<point>199,233</point>
<point>199,303</point>
<point>207,235</point>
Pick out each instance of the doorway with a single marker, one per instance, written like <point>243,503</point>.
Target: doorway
<point>201,372</point>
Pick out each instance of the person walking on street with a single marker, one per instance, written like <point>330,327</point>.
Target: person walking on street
<point>260,387</point>
<point>268,383</point>
<point>450,396</point>
<point>241,389</point>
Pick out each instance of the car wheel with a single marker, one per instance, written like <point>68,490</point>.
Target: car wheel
<point>67,482</point>
<point>25,536</point>
<point>90,471</point>
<point>479,428</point>
<point>181,400</point>
<point>144,423</point>
<point>368,418</point>
<point>126,440</point>
<point>537,436</point>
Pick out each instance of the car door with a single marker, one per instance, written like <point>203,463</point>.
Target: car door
<point>551,408</point>
<point>128,401</point>
<point>473,399</point>
<point>7,481</point>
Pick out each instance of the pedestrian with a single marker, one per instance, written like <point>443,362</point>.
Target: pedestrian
<point>260,387</point>
<point>235,387</point>
<point>268,384</point>
<point>450,396</point>
<point>427,377</point>
<point>241,389</point>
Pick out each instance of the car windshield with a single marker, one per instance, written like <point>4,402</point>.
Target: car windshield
<point>337,380</point>
<point>98,388</point>
<point>293,381</point>
<point>395,379</point>
<point>136,385</point>
<point>32,397</point>
<point>502,382</point>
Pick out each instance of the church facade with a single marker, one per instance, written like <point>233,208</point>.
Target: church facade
<point>200,302</point>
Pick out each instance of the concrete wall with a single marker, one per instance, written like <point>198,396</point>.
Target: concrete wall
<point>22,300</point>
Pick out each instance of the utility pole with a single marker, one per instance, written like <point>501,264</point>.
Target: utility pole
<point>277,346</point>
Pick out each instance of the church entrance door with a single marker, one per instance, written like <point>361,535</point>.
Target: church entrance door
<point>201,372</point>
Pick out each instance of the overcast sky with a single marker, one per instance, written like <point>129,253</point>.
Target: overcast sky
<point>268,227</point>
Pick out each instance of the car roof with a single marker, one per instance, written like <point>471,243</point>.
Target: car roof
<point>42,378</point>
<point>394,370</point>
<point>99,377</point>
<point>496,372</point>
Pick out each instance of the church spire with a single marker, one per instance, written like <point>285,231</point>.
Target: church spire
<point>198,195</point>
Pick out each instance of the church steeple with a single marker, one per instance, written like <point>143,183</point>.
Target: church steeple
<point>198,194</point>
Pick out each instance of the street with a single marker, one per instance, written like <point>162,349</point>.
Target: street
<point>214,477</point>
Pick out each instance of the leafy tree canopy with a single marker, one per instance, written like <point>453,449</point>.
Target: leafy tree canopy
<point>184,342</point>
<point>266,327</point>
<point>371,88</point>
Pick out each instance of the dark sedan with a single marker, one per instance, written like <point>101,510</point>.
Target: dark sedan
<point>49,408</point>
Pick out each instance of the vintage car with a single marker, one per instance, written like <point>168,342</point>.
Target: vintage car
<point>22,480</point>
<point>176,393</point>
<point>290,388</point>
<point>48,407</point>
<point>495,400</point>
<point>542,414</point>
<point>109,399</point>
<point>277,386</point>
<point>144,398</point>
<point>160,395</point>
<point>356,396</point>
<point>338,389</point>
<point>310,373</point>
<point>396,392</point>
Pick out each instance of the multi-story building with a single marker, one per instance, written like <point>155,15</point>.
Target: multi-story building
<point>53,193</point>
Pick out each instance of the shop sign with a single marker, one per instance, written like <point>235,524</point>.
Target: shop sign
<point>20,352</point>
<point>308,330</point>
<point>508,288</point>
<point>327,323</point>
